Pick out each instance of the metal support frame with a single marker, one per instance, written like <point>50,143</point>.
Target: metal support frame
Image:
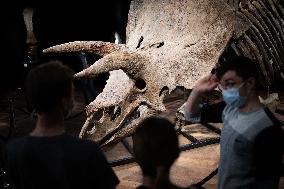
<point>3,140</point>
<point>11,120</point>
<point>195,143</point>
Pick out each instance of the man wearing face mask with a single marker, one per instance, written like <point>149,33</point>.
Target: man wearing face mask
<point>252,140</point>
<point>48,157</point>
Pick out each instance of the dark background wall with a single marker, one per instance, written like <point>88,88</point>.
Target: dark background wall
<point>55,22</point>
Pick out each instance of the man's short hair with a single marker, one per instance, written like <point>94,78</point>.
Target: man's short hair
<point>243,66</point>
<point>47,84</point>
<point>155,143</point>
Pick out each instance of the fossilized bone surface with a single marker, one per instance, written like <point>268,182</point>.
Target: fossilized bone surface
<point>170,43</point>
<point>264,40</point>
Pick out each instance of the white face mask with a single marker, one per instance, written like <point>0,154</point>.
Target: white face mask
<point>233,98</point>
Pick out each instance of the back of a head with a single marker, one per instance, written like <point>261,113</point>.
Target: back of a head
<point>47,84</point>
<point>243,66</point>
<point>155,144</point>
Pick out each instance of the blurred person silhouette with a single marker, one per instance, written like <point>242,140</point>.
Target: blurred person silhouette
<point>48,157</point>
<point>156,148</point>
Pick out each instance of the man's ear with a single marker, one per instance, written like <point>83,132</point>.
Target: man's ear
<point>251,82</point>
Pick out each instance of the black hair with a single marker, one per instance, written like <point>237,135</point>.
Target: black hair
<point>47,84</point>
<point>155,143</point>
<point>243,66</point>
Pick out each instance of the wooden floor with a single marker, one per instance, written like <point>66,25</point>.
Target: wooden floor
<point>191,166</point>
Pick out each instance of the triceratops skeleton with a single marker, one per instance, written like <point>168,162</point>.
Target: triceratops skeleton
<point>173,43</point>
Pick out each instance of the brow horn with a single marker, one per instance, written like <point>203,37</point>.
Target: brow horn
<point>97,47</point>
<point>130,63</point>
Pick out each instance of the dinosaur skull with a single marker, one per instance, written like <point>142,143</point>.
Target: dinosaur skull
<point>170,43</point>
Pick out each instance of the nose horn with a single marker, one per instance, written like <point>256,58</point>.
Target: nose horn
<point>130,63</point>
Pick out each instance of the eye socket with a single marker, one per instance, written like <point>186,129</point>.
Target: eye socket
<point>140,84</point>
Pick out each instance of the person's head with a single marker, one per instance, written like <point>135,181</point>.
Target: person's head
<point>155,144</point>
<point>237,76</point>
<point>49,88</point>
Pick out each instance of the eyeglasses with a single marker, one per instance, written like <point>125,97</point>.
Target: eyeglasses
<point>229,86</point>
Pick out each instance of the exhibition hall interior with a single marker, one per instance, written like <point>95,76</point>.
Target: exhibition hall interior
<point>137,59</point>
